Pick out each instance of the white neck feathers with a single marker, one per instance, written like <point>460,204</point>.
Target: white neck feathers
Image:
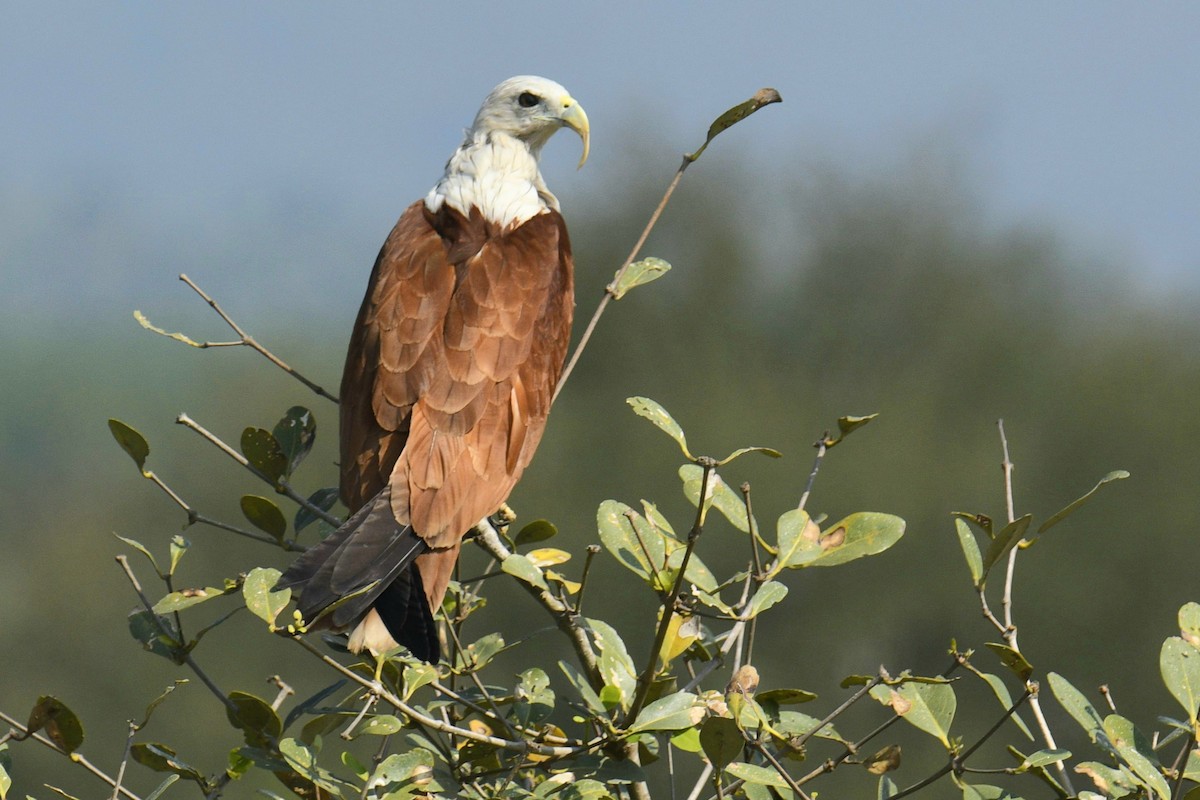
<point>496,173</point>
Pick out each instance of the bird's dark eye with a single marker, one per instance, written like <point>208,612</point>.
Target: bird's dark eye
<point>528,100</point>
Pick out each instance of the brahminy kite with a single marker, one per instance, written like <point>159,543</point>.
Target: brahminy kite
<point>449,375</point>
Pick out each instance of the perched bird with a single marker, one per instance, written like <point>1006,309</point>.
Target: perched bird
<point>449,375</point>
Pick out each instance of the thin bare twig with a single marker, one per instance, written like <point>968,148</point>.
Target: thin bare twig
<point>610,289</point>
<point>78,758</point>
<point>822,448</point>
<point>244,339</point>
<point>187,657</point>
<point>133,728</point>
<point>280,485</point>
<point>518,746</point>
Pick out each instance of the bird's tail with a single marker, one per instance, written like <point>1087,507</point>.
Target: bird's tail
<point>363,574</point>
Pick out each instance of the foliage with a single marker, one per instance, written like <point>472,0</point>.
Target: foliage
<point>601,723</point>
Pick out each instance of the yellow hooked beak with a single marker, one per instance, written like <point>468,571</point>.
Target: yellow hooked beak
<point>574,117</point>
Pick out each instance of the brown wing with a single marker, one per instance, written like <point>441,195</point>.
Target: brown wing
<point>451,369</point>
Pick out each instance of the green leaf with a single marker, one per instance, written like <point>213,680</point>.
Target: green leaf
<point>1135,750</point>
<point>141,548</point>
<point>795,540</point>
<point>264,515</point>
<point>671,713</point>
<point>983,791</point>
<point>1071,508</point>
<point>970,548</point>
<point>303,762</point>
<point>887,788</point>
<point>259,723</point>
<point>533,699</point>
<point>5,767</point>
<point>645,407</point>
<point>1043,758</point>
<point>60,724</point>
<point>162,788</point>
<point>1011,659</point>
<point>161,758</point>
<point>1005,541</point>
<point>1082,711</point>
<point>186,598</point>
<point>537,531</point>
<point>697,573</point>
<point>380,725</point>
<point>770,593</point>
<point>1112,782</point>
<point>755,774</point>
<point>639,273</point>
<point>416,676</point>
<point>156,702</point>
<point>864,533</point>
<point>403,771</point>
<point>260,598</point>
<point>847,426</point>
<point>794,723</point>
<point>132,442</point>
<point>1180,666</point>
<point>323,499</point>
<point>741,451</point>
<point>785,697</point>
<point>1002,694</point>
<point>522,568</point>
<point>179,546</point>
<point>262,450</point>
<point>158,634</point>
<point>928,706</point>
<point>478,653</point>
<point>616,667</point>
<point>719,494</point>
<point>580,684</point>
<point>722,741</point>
<point>1189,623</point>
<point>763,97</point>
<point>295,434</point>
<point>632,540</point>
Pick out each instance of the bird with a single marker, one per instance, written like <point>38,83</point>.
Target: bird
<point>449,376</point>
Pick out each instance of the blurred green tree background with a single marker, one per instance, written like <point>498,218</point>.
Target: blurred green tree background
<point>845,294</point>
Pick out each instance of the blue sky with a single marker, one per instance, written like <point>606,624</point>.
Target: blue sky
<point>125,123</point>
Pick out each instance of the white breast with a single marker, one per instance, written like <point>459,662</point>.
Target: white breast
<point>499,176</point>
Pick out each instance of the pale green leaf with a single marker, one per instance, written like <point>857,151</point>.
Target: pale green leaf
<point>741,451</point>
<point>639,273</point>
<point>261,599</point>
<point>767,595</point>
<point>1189,623</point>
<point>752,773</point>
<point>132,442</point>
<point>848,425</point>
<point>1043,758</point>
<point>522,568</point>
<point>186,598</point>
<point>1075,704</point>
<point>970,548</point>
<point>631,539</point>
<point>1011,659</point>
<point>722,740</point>
<point>1179,663</point>
<point>719,494</point>
<point>671,713</point>
<point>763,97</point>
<point>1062,514</point>
<point>380,725</point>
<point>928,706</point>
<point>645,407</point>
<point>1134,749</point>
<point>1002,694</point>
<point>1005,541</point>
<point>616,667</point>
<point>861,534</point>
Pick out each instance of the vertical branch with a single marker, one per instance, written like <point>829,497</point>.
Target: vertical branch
<point>610,290</point>
<point>647,677</point>
<point>822,447</point>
